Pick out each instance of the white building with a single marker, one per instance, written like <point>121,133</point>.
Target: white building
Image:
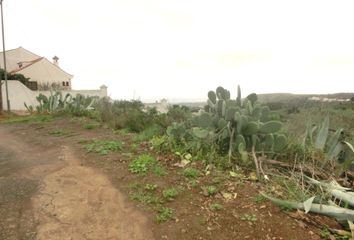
<point>37,68</point>
<point>42,71</point>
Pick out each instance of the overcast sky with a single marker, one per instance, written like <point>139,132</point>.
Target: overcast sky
<point>154,49</point>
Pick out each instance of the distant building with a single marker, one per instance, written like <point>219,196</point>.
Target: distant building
<point>39,69</point>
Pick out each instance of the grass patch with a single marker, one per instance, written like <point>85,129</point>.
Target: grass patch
<point>209,190</point>
<point>165,214</point>
<point>91,126</point>
<point>159,170</point>
<point>103,147</point>
<point>191,173</point>
<point>170,193</point>
<point>35,118</point>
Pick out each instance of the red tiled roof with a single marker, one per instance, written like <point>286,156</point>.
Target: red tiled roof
<point>30,63</point>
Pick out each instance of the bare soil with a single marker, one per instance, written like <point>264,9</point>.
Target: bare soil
<point>51,188</point>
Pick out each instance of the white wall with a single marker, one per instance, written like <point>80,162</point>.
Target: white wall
<point>20,94</point>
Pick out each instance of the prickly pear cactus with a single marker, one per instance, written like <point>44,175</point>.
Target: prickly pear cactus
<point>244,123</point>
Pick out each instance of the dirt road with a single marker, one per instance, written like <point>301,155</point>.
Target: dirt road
<point>45,193</point>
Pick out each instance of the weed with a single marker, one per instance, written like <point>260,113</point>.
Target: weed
<point>165,214</point>
<point>143,193</point>
<point>159,170</point>
<point>145,162</point>
<point>325,233</point>
<point>170,193</point>
<point>150,187</point>
<point>193,183</point>
<point>134,147</point>
<point>249,217</point>
<point>191,173</point>
<point>209,190</point>
<point>216,207</point>
<point>103,147</point>
<point>142,163</point>
<point>144,197</point>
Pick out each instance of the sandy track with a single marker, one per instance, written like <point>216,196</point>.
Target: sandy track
<point>71,201</point>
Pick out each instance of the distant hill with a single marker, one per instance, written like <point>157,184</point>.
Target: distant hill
<point>286,97</point>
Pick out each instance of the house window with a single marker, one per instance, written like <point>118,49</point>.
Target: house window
<point>63,84</point>
<point>67,84</point>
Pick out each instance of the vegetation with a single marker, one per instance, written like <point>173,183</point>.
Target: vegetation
<point>104,147</point>
<point>216,207</point>
<point>209,190</point>
<point>191,173</point>
<point>145,162</point>
<point>16,76</point>
<point>239,139</point>
<point>165,214</point>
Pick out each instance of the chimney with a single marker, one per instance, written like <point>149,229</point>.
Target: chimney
<point>56,61</point>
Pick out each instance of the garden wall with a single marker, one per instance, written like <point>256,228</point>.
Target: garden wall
<point>20,94</point>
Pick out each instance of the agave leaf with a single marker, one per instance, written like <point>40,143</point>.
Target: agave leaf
<point>343,196</point>
<point>331,185</point>
<point>349,145</point>
<point>327,210</point>
<point>308,204</point>
<point>322,134</point>
<point>333,153</point>
<point>333,148</point>
<point>336,190</point>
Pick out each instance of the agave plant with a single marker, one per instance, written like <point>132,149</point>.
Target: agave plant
<point>333,145</point>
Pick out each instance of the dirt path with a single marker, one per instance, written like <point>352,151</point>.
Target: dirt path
<point>46,194</point>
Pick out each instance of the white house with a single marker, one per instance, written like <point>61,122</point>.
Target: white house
<point>42,71</point>
<point>37,68</point>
